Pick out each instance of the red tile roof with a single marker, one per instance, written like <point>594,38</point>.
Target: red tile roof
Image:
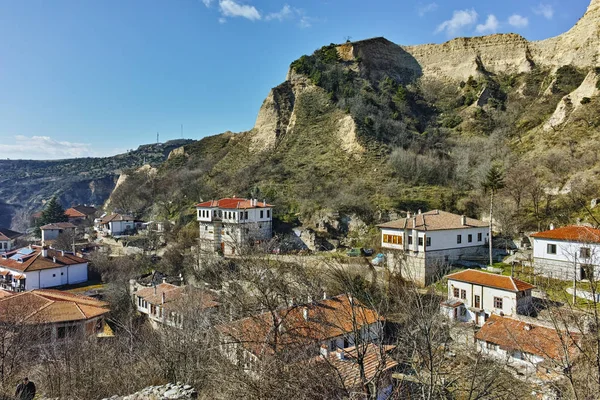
<point>79,211</point>
<point>116,217</point>
<point>58,225</point>
<point>573,233</point>
<point>490,280</point>
<point>7,234</point>
<point>374,360</point>
<point>435,220</point>
<point>233,203</point>
<point>512,334</point>
<point>49,306</point>
<point>35,261</point>
<point>326,319</point>
<point>176,296</point>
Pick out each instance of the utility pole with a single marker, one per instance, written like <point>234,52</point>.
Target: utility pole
<point>157,141</point>
<point>575,279</point>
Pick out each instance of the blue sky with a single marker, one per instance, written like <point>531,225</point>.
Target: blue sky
<point>93,78</point>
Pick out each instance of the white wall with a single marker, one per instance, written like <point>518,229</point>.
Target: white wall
<point>118,227</point>
<point>565,251</point>
<point>509,299</point>
<point>440,240</point>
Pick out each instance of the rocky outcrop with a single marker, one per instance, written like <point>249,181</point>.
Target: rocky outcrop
<point>573,101</point>
<point>169,391</point>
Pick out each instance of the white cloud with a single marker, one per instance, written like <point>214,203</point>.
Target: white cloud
<point>222,20</point>
<point>490,26</point>
<point>518,21</point>
<point>426,8</point>
<point>305,22</point>
<point>229,8</point>
<point>459,20</point>
<point>546,10</point>
<point>285,13</point>
<point>207,3</point>
<point>45,148</point>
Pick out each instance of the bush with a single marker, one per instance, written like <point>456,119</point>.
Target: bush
<point>451,121</point>
<point>427,168</point>
<point>586,100</point>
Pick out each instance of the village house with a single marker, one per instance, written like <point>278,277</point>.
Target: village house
<point>300,332</point>
<point>115,225</point>
<point>166,304</point>
<point>51,231</point>
<point>567,252</point>
<point>57,315</point>
<point>38,267</point>
<point>377,366</point>
<point>473,296</point>
<point>421,246</point>
<point>230,224</point>
<point>7,239</point>
<point>80,213</point>
<point>530,347</point>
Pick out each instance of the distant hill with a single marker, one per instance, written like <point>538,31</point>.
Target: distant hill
<point>26,184</point>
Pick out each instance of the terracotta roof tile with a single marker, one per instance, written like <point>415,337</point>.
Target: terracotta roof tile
<point>434,221</point>
<point>374,360</point>
<point>232,203</point>
<point>49,306</point>
<point>7,234</point>
<point>80,211</point>
<point>326,319</point>
<point>116,217</point>
<point>177,296</point>
<point>572,233</point>
<point>58,225</point>
<point>512,334</point>
<point>35,261</point>
<point>490,280</point>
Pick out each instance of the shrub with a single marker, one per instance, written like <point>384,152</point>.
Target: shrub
<point>586,100</point>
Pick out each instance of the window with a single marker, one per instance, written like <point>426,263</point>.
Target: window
<point>206,227</point>
<point>245,214</point>
<point>392,239</point>
<point>463,294</point>
<point>420,241</point>
<point>410,240</point>
<point>262,213</point>
<point>490,346</point>
<point>479,237</point>
<point>551,249</point>
<point>268,213</point>
<point>332,346</point>
<point>458,239</point>
<point>477,301</point>
<point>62,273</point>
<point>428,242</point>
<point>585,252</point>
<point>587,272</point>
<point>498,302</point>
<point>456,293</point>
<point>469,238</point>
<point>62,332</point>
<point>54,275</point>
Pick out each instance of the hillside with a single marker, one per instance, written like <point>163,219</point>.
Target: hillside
<point>26,184</point>
<point>366,129</point>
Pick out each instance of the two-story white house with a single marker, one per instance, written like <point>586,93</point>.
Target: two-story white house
<point>7,239</point>
<point>38,267</point>
<point>475,295</point>
<point>303,331</point>
<point>565,252</point>
<point>228,225</point>
<point>115,225</point>
<point>51,231</point>
<point>166,304</point>
<point>421,246</point>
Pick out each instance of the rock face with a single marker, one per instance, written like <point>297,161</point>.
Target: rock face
<point>169,391</point>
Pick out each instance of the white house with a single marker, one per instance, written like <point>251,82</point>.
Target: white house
<point>37,267</point>
<point>532,347</point>
<point>564,252</point>
<point>307,331</point>
<point>473,296</point>
<point>115,225</point>
<point>422,245</point>
<point>230,224</point>
<point>7,239</point>
<point>165,303</point>
<point>51,231</point>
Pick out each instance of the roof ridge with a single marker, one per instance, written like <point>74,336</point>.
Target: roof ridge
<point>44,306</point>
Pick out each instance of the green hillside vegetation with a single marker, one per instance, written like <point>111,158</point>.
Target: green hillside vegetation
<point>427,144</point>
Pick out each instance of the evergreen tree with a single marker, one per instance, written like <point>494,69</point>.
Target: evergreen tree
<point>494,181</point>
<point>53,212</point>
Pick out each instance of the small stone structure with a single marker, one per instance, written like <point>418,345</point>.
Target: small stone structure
<point>170,391</point>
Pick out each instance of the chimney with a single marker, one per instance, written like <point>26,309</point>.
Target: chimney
<point>419,211</point>
<point>162,300</point>
<point>551,227</point>
<point>408,214</point>
<point>305,313</point>
<point>350,298</point>
<point>54,260</point>
<point>62,253</point>
<point>324,295</point>
<point>527,327</point>
<point>463,220</point>
<point>339,353</point>
<point>324,350</point>
<point>164,279</point>
<point>154,289</point>
<point>44,251</point>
